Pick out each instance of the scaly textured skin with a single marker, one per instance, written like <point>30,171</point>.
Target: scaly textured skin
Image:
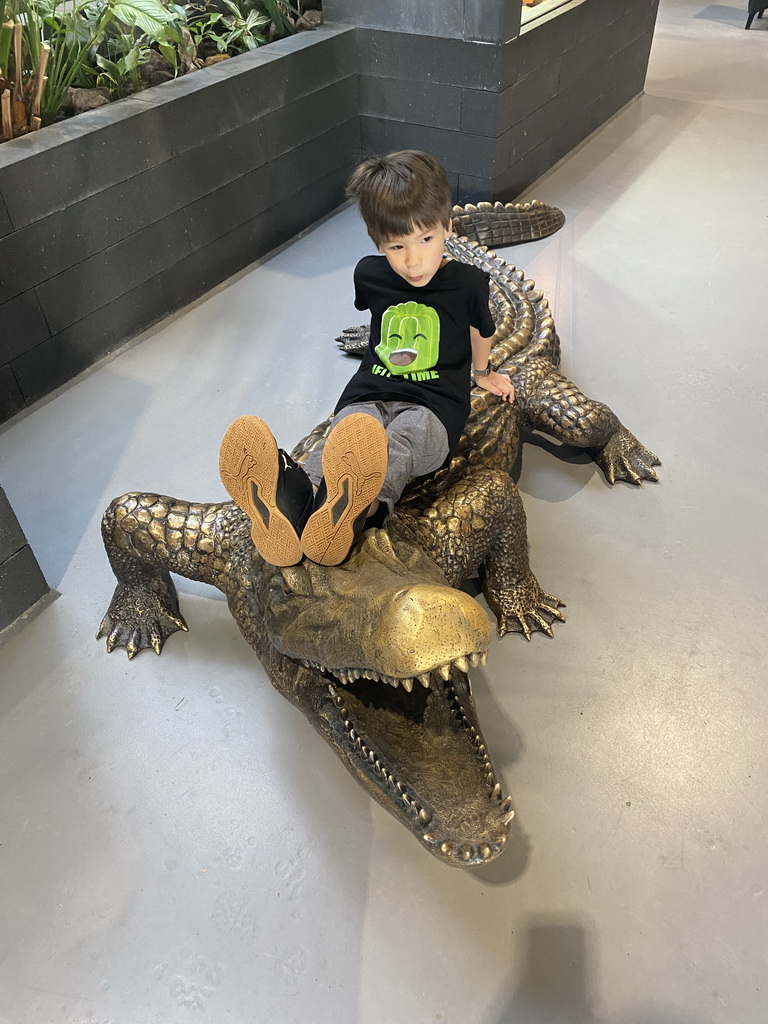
<point>375,652</point>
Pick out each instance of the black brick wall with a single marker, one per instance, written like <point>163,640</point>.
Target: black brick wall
<point>112,220</point>
<point>21,582</point>
<point>498,115</point>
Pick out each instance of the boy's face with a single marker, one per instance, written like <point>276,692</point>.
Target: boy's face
<point>418,256</point>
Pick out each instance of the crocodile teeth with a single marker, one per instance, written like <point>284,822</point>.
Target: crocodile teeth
<point>506,805</point>
<point>506,818</point>
<point>496,792</point>
<point>408,684</point>
<point>425,817</point>
<point>474,660</point>
<point>424,680</point>
<point>462,664</point>
<point>445,672</point>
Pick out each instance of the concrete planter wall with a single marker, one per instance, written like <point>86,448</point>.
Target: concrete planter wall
<point>502,106</point>
<point>22,583</point>
<point>112,220</point>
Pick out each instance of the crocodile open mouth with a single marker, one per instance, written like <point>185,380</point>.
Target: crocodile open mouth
<point>419,750</point>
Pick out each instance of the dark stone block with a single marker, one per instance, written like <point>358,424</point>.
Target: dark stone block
<point>313,115</point>
<point>199,172</point>
<point>209,266</point>
<point>528,95</point>
<point>491,21</point>
<point>480,113</point>
<point>458,152</point>
<point>311,61</point>
<point>528,135</point>
<point>296,170</point>
<point>68,353</point>
<point>214,101</point>
<point>429,19</point>
<point>11,398</point>
<point>631,68</point>
<point>22,584</point>
<point>523,56</point>
<point>46,248</point>
<point>22,326</point>
<point>430,104</point>
<point>637,21</point>
<point>220,212</point>
<point>12,537</point>
<point>419,58</point>
<point>474,190</point>
<point>310,204</point>
<point>508,186</point>
<point>79,158</point>
<point>576,130</point>
<point>204,105</point>
<point>589,54</point>
<point>5,221</point>
<point>97,281</point>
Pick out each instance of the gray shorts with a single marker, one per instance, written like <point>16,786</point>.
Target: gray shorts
<point>418,444</point>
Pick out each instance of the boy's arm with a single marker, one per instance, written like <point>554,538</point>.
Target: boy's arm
<point>496,383</point>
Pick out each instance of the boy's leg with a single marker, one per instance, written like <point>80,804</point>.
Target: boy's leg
<point>269,487</point>
<point>418,445</point>
<point>354,465</point>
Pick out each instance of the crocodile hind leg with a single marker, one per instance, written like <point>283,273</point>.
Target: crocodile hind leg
<point>481,521</point>
<point>554,405</point>
<point>148,536</point>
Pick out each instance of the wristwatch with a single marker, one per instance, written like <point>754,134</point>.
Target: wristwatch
<point>481,373</point>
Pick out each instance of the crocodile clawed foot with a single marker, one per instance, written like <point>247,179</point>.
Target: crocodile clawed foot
<point>354,340</point>
<point>624,458</point>
<point>525,608</point>
<point>141,617</point>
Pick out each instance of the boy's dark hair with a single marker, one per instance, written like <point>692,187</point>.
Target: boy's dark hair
<point>399,193</point>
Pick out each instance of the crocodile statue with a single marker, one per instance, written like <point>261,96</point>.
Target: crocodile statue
<point>376,652</point>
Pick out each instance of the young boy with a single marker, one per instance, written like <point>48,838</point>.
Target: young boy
<point>403,411</point>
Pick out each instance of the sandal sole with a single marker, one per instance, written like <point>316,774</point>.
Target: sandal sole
<point>355,460</point>
<point>249,466</point>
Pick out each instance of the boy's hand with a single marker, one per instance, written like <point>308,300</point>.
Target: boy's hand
<point>498,384</point>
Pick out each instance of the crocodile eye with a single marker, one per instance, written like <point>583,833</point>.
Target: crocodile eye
<point>297,579</point>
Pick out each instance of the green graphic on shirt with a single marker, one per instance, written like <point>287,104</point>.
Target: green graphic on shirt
<point>410,338</point>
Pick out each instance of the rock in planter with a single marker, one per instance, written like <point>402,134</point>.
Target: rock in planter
<point>77,101</point>
<point>156,70</point>
<point>309,20</point>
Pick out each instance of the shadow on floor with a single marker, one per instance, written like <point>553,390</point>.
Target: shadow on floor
<point>561,978</point>
<point>725,15</point>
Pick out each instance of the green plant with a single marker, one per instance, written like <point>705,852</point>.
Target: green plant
<point>47,46</point>
<point>74,32</point>
<point>236,26</point>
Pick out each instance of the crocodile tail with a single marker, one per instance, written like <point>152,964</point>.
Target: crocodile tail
<point>501,224</point>
<point>524,324</point>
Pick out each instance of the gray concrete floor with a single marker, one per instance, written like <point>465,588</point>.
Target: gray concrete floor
<point>178,845</point>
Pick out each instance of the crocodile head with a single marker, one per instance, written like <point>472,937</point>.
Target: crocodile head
<point>375,652</point>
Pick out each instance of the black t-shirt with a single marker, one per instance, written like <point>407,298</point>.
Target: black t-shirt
<point>420,349</point>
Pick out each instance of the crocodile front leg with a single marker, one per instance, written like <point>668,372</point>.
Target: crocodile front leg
<point>148,536</point>
<point>551,403</point>
<point>481,521</point>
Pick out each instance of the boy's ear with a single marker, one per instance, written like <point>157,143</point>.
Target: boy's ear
<point>449,229</point>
